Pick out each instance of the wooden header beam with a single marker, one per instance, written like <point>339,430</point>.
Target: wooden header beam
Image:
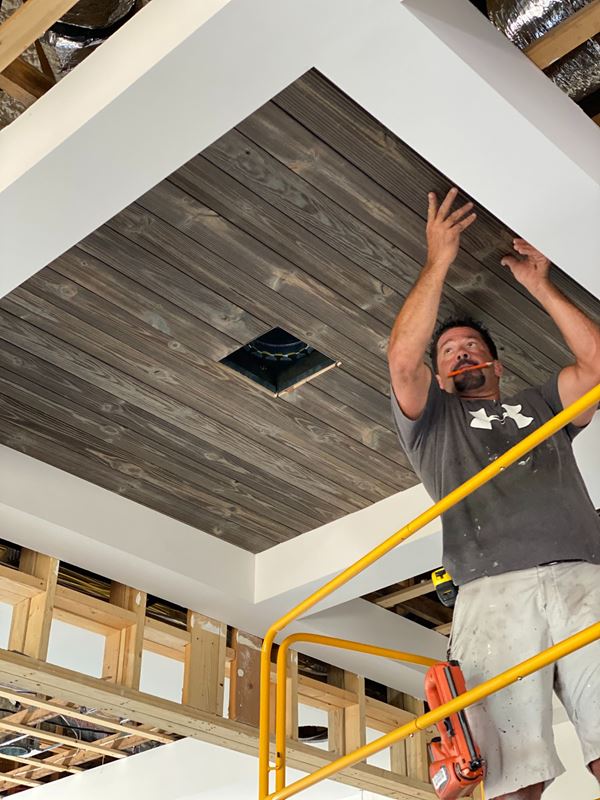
<point>566,36</point>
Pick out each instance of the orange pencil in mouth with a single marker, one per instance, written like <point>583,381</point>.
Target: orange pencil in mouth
<point>469,368</point>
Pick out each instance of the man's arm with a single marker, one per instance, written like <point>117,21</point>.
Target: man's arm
<point>581,334</point>
<point>414,324</point>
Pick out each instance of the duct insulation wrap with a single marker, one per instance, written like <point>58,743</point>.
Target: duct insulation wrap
<point>525,21</point>
<point>86,26</point>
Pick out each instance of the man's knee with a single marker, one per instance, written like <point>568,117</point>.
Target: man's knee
<point>530,793</point>
<point>594,768</point>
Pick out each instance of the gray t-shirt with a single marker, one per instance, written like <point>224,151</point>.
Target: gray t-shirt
<point>536,511</point>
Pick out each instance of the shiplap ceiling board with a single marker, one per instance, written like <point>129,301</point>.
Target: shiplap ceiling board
<point>308,216</point>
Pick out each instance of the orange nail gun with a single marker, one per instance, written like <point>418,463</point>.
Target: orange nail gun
<point>456,764</point>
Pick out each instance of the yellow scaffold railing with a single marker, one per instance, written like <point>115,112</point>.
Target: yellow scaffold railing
<point>426,720</point>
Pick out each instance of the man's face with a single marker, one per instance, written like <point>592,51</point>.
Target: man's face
<point>461,347</point>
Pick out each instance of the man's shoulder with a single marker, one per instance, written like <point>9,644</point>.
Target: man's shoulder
<point>540,393</point>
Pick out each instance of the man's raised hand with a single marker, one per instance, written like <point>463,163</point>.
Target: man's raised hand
<point>444,227</point>
<point>531,269</point>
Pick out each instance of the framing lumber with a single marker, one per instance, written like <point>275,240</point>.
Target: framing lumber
<point>417,760</point>
<point>408,593</point>
<point>16,585</point>
<point>444,629</point>
<point>32,617</point>
<point>566,36</point>
<point>165,640</point>
<point>27,24</point>
<point>71,758</point>
<point>204,666</point>
<point>97,616</point>
<point>244,678</point>
<point>427,608</point>
<point>37,764</point>
<point>347,726</point>
<point>384,717</point>
<point>398,762</point>
<point>123,648</point>
<point>44,63</point>
<point>355,717</point>
<point>169,641</point>
<point>58,738</point>
<point>20,781</point>
<point>26,673</point>
<point>55,709</point>
<point>325,696</point>
<point>24,82</point>
<point>122,621</point>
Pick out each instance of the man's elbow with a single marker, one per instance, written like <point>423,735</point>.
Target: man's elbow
<point>588,364</point>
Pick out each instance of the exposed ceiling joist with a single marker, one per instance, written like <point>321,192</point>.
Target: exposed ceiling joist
<point>44,63</point>
<point>430,610</point>
<point>26,25</point>
<point>21,781</point>
<point>66,759</point>
<point>402,595</point>
<point>36,764</point>
<point>24,82</point>
<point>105,723</point>
<point>566,36</point>
<point>58,738</point>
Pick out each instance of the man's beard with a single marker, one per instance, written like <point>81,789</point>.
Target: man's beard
<point>468,381</point>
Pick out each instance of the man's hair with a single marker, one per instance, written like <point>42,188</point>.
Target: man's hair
<point>460,322</point>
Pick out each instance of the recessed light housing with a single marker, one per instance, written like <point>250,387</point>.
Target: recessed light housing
<point>278,361</point>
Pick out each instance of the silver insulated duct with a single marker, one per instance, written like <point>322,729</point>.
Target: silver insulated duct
<point>82,29</point>
<point>525,21</point>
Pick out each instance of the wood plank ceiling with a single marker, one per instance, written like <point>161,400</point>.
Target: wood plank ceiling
<point>309,216</point>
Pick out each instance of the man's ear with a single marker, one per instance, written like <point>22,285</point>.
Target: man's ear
<point>498,369</point>
<point>439,380</point>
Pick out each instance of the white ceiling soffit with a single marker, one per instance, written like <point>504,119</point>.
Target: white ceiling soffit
<point>168,84</point>
<point>143,548</point>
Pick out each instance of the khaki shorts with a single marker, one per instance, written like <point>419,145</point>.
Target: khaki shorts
<point>502,620</point>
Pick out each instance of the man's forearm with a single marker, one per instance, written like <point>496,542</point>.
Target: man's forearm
<point>581,334</point>
<point>415,323</point>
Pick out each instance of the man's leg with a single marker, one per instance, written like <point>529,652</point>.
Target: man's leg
<point>595,769</point>
<point>498,622</point>
<point>530,793</point>
<point>574,604</point>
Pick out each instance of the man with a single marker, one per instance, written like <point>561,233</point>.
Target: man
<point>524,548</point>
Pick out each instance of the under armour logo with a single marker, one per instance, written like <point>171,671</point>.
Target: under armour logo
<point>481,419</point>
